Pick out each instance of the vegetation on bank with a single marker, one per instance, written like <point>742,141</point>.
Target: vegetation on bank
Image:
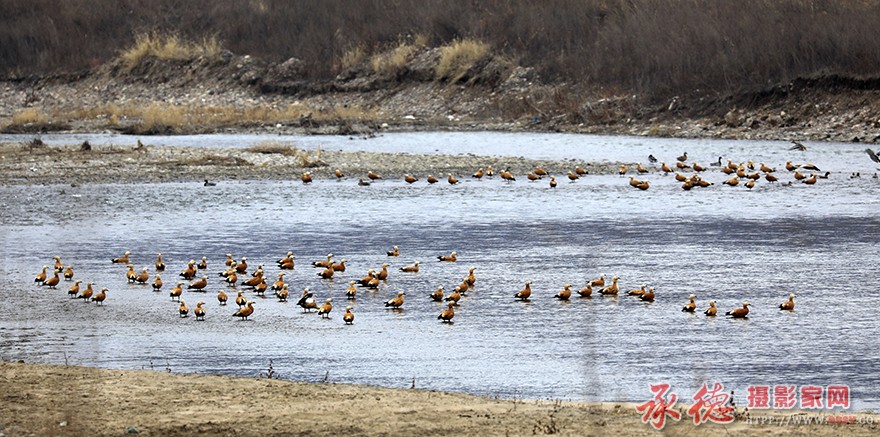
<point>656,47</point>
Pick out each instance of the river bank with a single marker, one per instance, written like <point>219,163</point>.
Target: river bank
<point>68,400</point>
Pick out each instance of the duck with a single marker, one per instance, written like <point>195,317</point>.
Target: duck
<point>611,289</point>
<point>579,170</point>
<point>532,177</point>
<point>253,281</point>
<point>100,297</point>
<point>489,172</point>
<point>339,266</point>
<point>798,175</point>
<point>565,293</point>
<point>203,264</point>
<point>540,171</point>
<point>637,291</point>
<point>471,279</point>
<point>41,277</point>
<point>53,281</point>
<point>683,157</point>
<point>327,273</point>
<point>552,182</point>
<point>432,180</point>
<point>789,304</point>
<point>245,312</point>
<point>648,296</point>
<point>750,184</point>
<point>87,293</point>
<point>600,282</point>
<point>348,317</point>
<point>306,178</point>
<point>810,180</point>
<point>160,265</point>
<point>525,293</point>
<point>122,259</point>
<point>651,158</point>
<point>242,266</point>
<point>716,163</point>
<point>437,295</point>
<point>68,273</point>
<point>240,300</point>
<point>286,259</point>
<point>633,182</point>
<point>449,258</point>
<point>395,251</point>
<point>366,279</point>
<point>587,291</point>
<point>198,285</point>
<point>451,179</point>
<point>644,185</point>
<point>339,174</point>
<point>640,168</point>
<point>189,272</point>
<point>410,179</point>
<point>573,176</point>
<point>176,291</point>
<point>287,265</point>
<point>183,310</point>
<point>478,174</point>
<point>828,173</point>
<point>324,310</point>
<point>209,183</point>
<point>447,314</point>
<point>199,311</point>
<point>363,183</point>
<point>507,176</point>
<point>142,277</point>
<point>790,167</point>
<point>351,291</point>
<point>229,260</point>
<point>231,279</point>
<point>665,168</point>
<point>767,169</point>
<point>412,268</point>
<point>59,266</point>
<point>810,167</point>
<point>307,301</point>
<point>373,176</point>
<point>455,296</point>
<point>740,313</point>
<point>157,283</point>
<point>680,177</point>
<point>279,284</point>
<point>374,281</point>
<point>770,178</point>
<point>621,170</point>
<point>222,297</point>
<point>396,302</point>
<point>73,290</point>
<point>130,274</point>
<point>698,167</point>
<point>324,263</point>
<point>383,274</point>
<point>690,306</point>
<point>732,181</point>
<point>712,310</point>
<point>463,287</point>
<point>260,289</point>
<point>682,166</point>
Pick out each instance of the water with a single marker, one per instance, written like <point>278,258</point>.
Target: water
<point>721,243</point>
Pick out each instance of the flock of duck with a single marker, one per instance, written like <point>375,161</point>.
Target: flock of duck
<point>747,173</point>
<point>236,275</point>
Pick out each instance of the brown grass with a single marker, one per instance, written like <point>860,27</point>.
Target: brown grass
<point>273,147</point>
<point>29,116</point>
<point>457,58</point>
<point>394,60</point>
<point>168,47</point>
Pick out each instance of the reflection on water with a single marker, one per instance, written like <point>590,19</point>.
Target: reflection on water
<point>721,243</point>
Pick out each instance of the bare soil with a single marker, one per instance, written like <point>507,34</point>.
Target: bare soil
<point>68,400</point>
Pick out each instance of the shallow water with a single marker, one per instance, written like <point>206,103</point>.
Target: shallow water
<point>722,243</point>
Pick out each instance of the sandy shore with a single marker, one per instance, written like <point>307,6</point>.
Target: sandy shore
<point>25,164</point>
<point>69,400</point>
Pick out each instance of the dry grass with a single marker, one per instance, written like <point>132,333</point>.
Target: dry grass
<point>353,57</point>
<point>29,116</point>
<point>393,61</point>
<point>167,47</point>
<point>457,58</point>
